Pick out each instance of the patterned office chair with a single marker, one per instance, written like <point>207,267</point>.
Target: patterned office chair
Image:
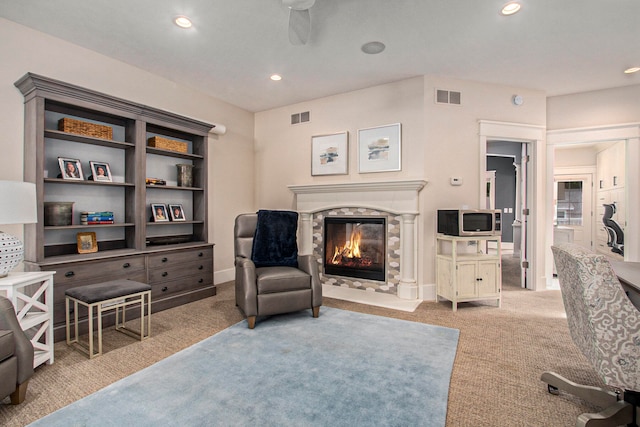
<point>605,326</point>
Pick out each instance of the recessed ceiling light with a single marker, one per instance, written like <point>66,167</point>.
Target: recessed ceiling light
<point>510,8</point>
<point>373,48</point>
<point>276,77</point>
<point>632,70</point>
<point>182,21</point>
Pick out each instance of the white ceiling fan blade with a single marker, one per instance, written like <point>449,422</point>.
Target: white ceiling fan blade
<point>299,26</point>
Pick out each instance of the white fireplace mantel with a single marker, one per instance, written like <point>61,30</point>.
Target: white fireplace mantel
<point>399,197</point>
<point>396,197</point>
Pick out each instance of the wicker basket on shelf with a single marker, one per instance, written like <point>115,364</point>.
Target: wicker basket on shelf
<point>85,128</point>
<point>168,144</point>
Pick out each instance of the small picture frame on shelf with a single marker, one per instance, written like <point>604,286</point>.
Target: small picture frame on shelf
<point>70,168</point>
<point>87,242</point>
<point>159,212</point>
<point>176,212</point>
<point>100,171</point>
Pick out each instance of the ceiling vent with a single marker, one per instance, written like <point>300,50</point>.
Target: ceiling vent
<point>447,97</point>
<point>298,118</point>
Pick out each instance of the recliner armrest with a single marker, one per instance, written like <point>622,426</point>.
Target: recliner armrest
<point>309,264</point>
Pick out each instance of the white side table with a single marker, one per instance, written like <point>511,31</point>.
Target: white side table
<point>32,296</point>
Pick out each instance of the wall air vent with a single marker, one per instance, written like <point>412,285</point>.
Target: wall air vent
<point>298,118</point>
<point>447,97</point>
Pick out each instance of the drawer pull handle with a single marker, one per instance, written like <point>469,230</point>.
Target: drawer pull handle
<point>164,259</point>
<point>69,274</point>
<point>165,274</point>
<point>201,280</point>
<point>165,289</point>
<point>126,265</point>
<point>201,254</point>
<point>201,267</point>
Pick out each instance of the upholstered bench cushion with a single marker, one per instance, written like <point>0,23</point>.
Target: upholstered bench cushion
<point>90,294</point>
<point>7,345</point>
<point>281,279</point>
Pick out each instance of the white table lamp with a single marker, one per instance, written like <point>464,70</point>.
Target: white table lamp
<point>18,207</point>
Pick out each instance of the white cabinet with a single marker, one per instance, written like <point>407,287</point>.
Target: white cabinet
<point>468,268</point>
<point>32,297</point>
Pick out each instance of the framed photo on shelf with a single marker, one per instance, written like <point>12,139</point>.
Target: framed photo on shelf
<point>100,171</point>
<point>159,212</point>
<point>176,212</point>
<point>379,149</point>
<point>87,242</point>
<point>330,154</point>
<point>70,168</point>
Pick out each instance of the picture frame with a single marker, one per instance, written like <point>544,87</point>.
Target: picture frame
<point>100,171</point>
<point>87,242</point>
<point>70,168</point>
<point>330,154</point>
<point>159,212</point>
<point>379,149</point>
<point>176,212</point>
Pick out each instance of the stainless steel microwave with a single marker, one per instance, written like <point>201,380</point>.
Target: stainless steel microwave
<point>469,222</point>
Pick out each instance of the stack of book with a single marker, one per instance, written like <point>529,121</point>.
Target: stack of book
<point>89,218</point>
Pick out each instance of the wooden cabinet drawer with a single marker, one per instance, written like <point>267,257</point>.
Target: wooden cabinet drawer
<point>185,284</point>
<point>174,271</point>
<point>96,271</point>
<point>162,259</point>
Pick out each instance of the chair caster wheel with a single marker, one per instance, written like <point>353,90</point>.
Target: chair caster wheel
<point>553,390</point>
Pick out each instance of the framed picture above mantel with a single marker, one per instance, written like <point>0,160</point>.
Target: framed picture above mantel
<point>330,154</point>
<point>379,149</point>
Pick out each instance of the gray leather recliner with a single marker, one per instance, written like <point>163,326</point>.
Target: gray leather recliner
<point>266,291</point>
<point>16,355</point>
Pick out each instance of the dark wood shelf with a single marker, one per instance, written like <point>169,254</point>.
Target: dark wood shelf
<point>65,136</point>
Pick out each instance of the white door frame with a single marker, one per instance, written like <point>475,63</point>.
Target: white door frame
<point>537,229</point>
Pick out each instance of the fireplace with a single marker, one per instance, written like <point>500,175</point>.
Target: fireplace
<point>355,247</point>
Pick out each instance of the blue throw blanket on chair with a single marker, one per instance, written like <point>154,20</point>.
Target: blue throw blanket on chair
<point>274,243</point>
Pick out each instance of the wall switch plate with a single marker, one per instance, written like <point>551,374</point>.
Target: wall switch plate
<point>456,180</point>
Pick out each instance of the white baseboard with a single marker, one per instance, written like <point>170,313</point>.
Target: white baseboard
<point>427,292</point>
<point>223,276</point>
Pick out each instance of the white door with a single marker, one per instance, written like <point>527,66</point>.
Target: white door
<point>573,212</point>
<point>523,185</point>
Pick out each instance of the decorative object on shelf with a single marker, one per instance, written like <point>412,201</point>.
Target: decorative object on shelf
<point>159,212</point>
<point>70,168</point>
<point>20,208</point>
<point>168,144</point>
<point>330,154</point>
<point>379,149</point>
<point>176,212</point>
<point>185,175</point>
<point>85,128</point>
<point>87,242</point>
<point>58,214</point>
<point>100,171</point>
<point>155,181</point>
<point>95,218</point>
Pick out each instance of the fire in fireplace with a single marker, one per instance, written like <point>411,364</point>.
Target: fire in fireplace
<point>355,247</point>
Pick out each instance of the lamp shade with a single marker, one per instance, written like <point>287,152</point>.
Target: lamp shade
<point>18,201</point>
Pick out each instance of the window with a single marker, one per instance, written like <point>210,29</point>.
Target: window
<point>569,203</point>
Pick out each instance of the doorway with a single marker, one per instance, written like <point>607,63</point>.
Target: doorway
<point>507,161</point>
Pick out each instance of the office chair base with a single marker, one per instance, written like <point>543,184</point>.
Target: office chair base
<point>617,412</point>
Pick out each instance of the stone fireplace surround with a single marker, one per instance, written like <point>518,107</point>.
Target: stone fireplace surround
<point>396,199</point>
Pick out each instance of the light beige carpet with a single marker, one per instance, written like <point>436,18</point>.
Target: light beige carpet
<point>495,381</point>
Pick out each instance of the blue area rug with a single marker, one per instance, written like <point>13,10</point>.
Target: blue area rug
<point>342,369</point>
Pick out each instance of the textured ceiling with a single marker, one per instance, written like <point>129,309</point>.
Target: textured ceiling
<point>560,47</point>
